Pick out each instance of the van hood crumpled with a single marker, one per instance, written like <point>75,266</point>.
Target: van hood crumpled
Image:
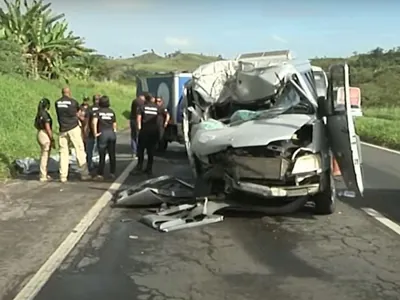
<point>251,133</point>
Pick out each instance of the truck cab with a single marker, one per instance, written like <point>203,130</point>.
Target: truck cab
<point>169,86</point>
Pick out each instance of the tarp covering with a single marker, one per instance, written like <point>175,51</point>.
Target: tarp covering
<point>29,165</point>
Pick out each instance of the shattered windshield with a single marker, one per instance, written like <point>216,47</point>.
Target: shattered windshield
<point>290,100</point>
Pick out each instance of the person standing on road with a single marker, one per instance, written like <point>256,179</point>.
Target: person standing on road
<point>147,125</point>
<point>67,110</point>
<point>83,119</point>
<point>163,120</point>
<point>44,125</point>
<point>91,140</point>
<point>136,103</point>
<point>105,128</point>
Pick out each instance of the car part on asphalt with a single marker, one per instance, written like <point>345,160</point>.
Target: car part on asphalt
<point>154,191</point>
<point>185,216</point>
<point>180,208</point>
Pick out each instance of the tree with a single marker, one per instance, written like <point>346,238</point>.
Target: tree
<point>44,38</point>
<point>87,64</point>
<point>11,60</point>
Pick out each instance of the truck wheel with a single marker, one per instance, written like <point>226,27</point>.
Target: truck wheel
<point>325,201</point>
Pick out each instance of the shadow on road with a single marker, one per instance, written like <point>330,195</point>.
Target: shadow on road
<point>385,201</point>
<point>175,154</point>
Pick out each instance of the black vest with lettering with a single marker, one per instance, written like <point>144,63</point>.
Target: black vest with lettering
<point>66,109</point>
<point>150,112</point>
<point>106,119</point>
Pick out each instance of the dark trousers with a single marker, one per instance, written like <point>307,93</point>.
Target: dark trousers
<point>106,143</point>
<point>89,147</point>
<point>134,137</point>
<point>148,141</point>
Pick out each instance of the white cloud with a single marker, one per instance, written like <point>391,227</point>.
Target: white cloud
<point>176,42</point>
<point>279,39</point>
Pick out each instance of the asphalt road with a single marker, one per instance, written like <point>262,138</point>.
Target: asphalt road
<point>348,255</point>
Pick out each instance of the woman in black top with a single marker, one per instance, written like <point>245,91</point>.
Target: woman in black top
<point>104,128</point>
<point>43,124</point>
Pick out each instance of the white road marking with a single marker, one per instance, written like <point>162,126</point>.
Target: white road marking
<point>382,219</point>
<point>36,283</point>
<point>381,148</point>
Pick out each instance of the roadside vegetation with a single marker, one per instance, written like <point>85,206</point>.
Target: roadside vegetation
<point>39,55</point>
<point>377,73</point>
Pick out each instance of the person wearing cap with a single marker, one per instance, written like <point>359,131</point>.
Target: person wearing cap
<point>148,128</point>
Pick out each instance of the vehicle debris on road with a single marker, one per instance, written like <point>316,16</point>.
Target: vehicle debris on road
<point>180,207</point>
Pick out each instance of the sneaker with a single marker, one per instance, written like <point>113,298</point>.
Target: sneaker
<point>112,176</point>
<point>99,177</point>
<point>134,156</point>
<point>45,179</point>
<point>63,180</point>
<point>149,172</point>
<point>85,177</point>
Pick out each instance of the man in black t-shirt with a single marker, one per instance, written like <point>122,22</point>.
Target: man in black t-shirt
<point>163,118</point>
<point>148,127</point>
<point>136,103</point>
<point>67,114</point>
<point>91,140</point>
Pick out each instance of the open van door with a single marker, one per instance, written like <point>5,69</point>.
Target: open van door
<point>344,142</point>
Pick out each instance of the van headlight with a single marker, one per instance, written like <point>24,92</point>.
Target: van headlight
<point>306,164</point>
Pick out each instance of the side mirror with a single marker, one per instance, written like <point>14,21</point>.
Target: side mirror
<point>321,110</point>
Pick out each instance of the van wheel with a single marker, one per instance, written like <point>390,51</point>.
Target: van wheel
<point>325,201</point>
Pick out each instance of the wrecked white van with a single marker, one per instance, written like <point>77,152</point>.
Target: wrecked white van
<point>258,126</point>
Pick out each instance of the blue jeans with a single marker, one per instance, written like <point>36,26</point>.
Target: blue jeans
<point>134,137</point>
<point>90,144</point>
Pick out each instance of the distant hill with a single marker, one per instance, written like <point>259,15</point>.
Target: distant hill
<point>127,68</point>
<point>376,72</point>
<point>179,62</point>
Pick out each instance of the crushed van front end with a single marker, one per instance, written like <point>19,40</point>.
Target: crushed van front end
<point>270,173</point>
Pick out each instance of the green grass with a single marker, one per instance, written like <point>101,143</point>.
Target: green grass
<point>380,126</point>
<point>386,113</point>
<point>19,98</point>
<point>378,131</point>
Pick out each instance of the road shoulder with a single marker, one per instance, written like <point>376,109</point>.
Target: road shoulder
<point>36,217</point>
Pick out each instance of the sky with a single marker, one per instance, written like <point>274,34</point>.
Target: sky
<point>309,28</point>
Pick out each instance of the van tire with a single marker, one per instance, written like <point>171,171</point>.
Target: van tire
<point>325,201</point>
